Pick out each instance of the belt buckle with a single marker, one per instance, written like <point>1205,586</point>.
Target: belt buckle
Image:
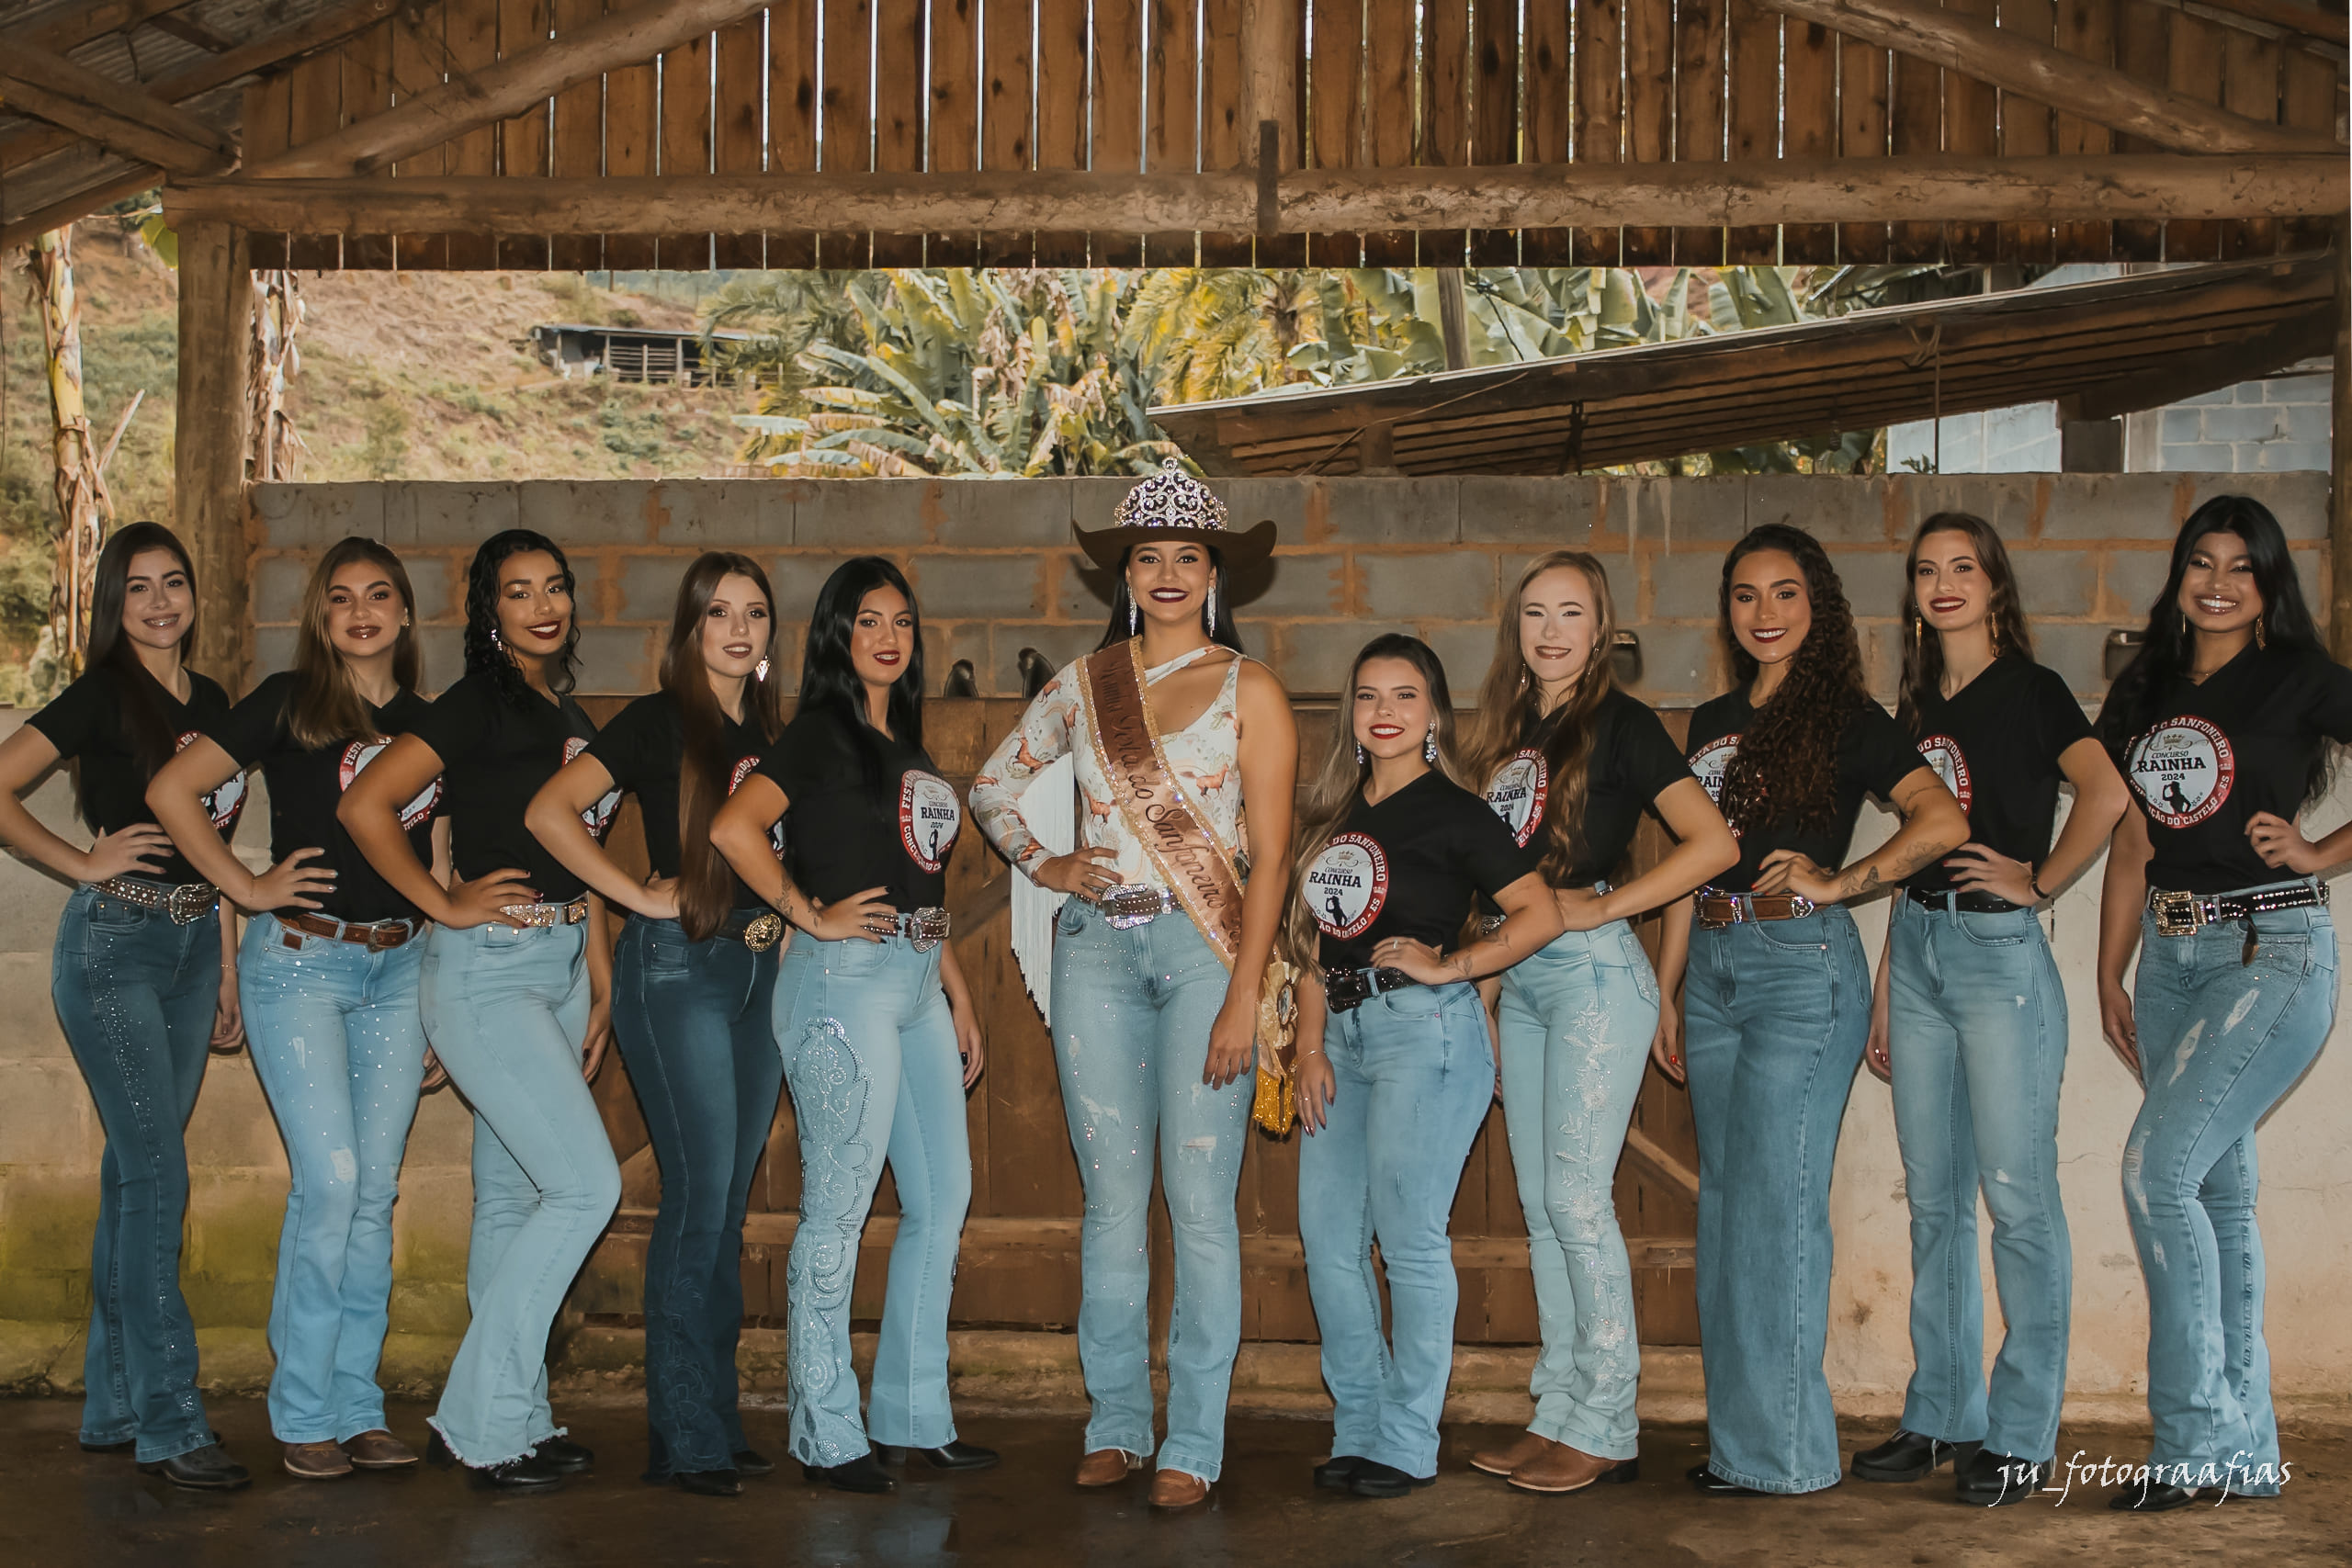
<point>926,929</point>
<point>2177,913</point>
<point>1123,905</point>
<point>1347,990</point>
<point>190,902</point>
<point>1738,915</point>
<point>1800,905</point>
<point>532,915</point>
<point>761,932</point>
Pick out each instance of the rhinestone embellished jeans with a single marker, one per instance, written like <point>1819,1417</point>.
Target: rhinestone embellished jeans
<point>1414,1074</point>
<point>693,1022</point>
<point>1131,1013</point>
<point>339,1047</point>
<point>1777,1015</point>
<point>1977,1036</point>
<point>507,1013</point>
<point>136,995</point>
<point>1576,1021</point>
<point>869,1052</point>
<point>2222,1041</point>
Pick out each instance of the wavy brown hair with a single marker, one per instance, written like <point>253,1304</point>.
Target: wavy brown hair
<point>1785,771</point>
<point>1508,718</point>
<point>324,706</point>
<point>1923,655</point>
<point>144,723</point>
<point>1339,782</point>
<point>706,883</point>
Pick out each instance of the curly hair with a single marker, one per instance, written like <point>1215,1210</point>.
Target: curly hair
<point>1923,655</point>
<point>485,656</point>
<point>1785,771</point>
<point>1507,717</point>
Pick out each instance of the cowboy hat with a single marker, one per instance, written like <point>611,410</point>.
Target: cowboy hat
<point>1172,505</point>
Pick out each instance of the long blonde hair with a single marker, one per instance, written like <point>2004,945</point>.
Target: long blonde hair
<point>325,708</point>
<point>1340,781</point>
<point>1509,717</point>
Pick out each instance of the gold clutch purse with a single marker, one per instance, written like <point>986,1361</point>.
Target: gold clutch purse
<point>1275,1105</point>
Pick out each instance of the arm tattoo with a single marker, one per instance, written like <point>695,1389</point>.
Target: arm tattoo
<point>1859,883</point>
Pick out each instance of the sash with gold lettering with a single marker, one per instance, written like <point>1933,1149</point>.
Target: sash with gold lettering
<point>1198,869</point>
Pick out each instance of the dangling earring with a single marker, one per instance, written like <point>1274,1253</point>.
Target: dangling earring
<point>761,672</point>
<point>494,640</point>
<point>1429,744</point>
<point>1919,632</point>
<point>1133,615</point>
<point>2259,640</point>
<point>1208,609</point>
<point>1996,627</point>
<point>1359,753</point>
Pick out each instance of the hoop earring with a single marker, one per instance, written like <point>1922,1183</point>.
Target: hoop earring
<point>1429,744</point>
<point>1359,753</point>
<point>1208,609</point>
<point>1133,615</point>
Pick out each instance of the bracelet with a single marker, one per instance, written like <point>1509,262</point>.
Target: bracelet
<point>2034,882</point>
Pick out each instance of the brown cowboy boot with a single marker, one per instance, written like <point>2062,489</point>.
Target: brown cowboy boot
<point>1560,1468</point>
<point>1503,1461</point>
<point>1107,1467</point>
<point>378,1450</point>
<point>1176,1489</point>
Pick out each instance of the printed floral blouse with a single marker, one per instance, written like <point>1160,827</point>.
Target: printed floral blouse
<point>1203,756</point>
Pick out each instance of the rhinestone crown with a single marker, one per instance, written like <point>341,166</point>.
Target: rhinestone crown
<point>1169,499</point>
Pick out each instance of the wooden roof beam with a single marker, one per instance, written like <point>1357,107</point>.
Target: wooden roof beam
<point>118,116</point>
<point>509,87</point>
<point>2014,63</point>
<point>79,26</point>
<point>1821,190</point>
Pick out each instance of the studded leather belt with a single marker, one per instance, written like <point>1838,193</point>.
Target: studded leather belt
<point>379,936</point>
<point>186,902</point>
<point>925,928</point>
<point>2180,914</point>
<point>570,914</point>
<point>1717,910</point>
<point>1130,905</point>
<point>1344,990</point>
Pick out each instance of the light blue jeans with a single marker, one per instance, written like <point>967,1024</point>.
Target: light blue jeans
<point>1576,1020</point>
<point>870,1057</point>
<point>2222,1041</point>
<point>340,1051</point>
<point>507,1013</point>
<point>1131,1013</point>
<point>1976,1023</point>
<point>1776,1014</point>
<point>1414,1075</point>
<point>136,993</point>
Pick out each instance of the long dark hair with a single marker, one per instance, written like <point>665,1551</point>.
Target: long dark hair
<point>827,679</point>
<point>151,735</point>
<point>324,706</point>
<point>1923,653</point>
<point>2165,648</point>
<point>484,655</point>
<point>1785,771</point>
<point>1508,715</point>
<point>705,884</point>
<point>1340,780</point>
<point>1221,632</point>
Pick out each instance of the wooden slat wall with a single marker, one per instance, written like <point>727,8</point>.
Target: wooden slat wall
<point>1158,85</point>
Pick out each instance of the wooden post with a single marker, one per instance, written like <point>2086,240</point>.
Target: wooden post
<point>211,442</point>
<point>2339,457</point>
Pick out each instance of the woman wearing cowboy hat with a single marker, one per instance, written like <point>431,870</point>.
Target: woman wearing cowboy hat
<point>1184,757</point>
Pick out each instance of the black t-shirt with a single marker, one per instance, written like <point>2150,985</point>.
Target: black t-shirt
<point>1410,866</point>
<point>1632,763</point>
<point>2242,743</point>
<point>1873,756</point>
<point>643,749</point>
<point>1996,744</point>
<point>306,786</point>
<point>842,835</point>
<point>86,723</point>
<point>494,756</point>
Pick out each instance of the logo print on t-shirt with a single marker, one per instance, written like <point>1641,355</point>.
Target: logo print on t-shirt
<point>598,817</point>
<point>1944,755</point>
<point>2182,770</point>
<point>224,803</point>
<point>359,753</point>
<point>1347,885</point>
<point>1711,760</point>
<point>1518,793</point>
<point>744,768</point>
<point>928,818</point>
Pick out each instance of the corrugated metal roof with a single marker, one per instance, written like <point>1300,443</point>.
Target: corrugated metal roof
<point>2113,346</point>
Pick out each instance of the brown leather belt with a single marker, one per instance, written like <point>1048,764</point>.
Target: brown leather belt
<point>1717,910</point>
<point>380,936</point>
<point>184,902</point>
<point>2180,914</point>
<point>1344,990</point>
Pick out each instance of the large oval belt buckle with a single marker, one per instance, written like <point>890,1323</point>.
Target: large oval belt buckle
<point>190,902</point>
<point>762,932</point>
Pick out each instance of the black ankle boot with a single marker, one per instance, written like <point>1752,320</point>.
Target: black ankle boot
<point>1908,1456</point>
<point>564,1456</point>
<point>863,1474</point>
<point>947,1456</point>
<point>1992,1479</point>
<point>751,1462</point>
<point>1334,1473</point>
<point>208,1468</point>
<point>708,1483</point>
<point>526,1475</point>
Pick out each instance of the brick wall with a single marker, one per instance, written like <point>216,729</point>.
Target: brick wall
<point>995,569</point>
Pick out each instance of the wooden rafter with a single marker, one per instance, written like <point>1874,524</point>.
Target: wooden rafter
<point>2056,189</point>
<point>84,23</point>
<point>467,101</point>
<point>2016,63</point>
<point>116,115</point>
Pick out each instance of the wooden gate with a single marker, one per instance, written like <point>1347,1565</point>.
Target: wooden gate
<point>1019,1265</point>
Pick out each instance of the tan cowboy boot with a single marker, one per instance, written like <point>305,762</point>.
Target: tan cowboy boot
<point>1502,1461</point>
<point>1176,1489</point>
<point>1107,1467</point>
<point>1560,1468</point>
<point>317,1461</point>
<point>378,1450</point>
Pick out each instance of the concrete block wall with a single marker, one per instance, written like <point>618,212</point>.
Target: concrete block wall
<point>996,571</point>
